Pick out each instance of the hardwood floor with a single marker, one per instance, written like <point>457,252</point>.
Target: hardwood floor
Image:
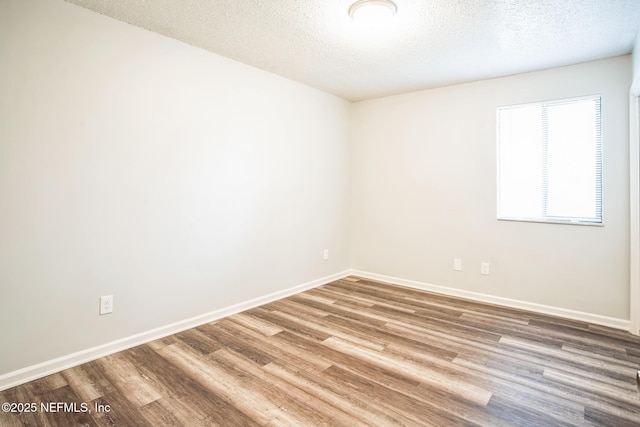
<point>355,352</point>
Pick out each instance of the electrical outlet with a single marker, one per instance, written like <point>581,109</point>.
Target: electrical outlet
<point>325,254</point>
<point>484,268</point>
<point>457,264</point>
<point>106,304</point>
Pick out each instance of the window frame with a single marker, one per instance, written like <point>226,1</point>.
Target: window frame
<point>599,155</point>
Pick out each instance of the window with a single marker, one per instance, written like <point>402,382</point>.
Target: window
<point>550,161</point>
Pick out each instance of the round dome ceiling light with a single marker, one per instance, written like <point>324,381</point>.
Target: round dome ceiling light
<point>373,11</point>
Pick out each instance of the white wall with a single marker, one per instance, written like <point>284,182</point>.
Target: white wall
<point>635,88</point>
<point>131,164</point>
<point>634,196</point>
<point>424,192</point>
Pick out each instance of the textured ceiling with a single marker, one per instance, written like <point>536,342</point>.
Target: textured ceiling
<point>430,43</point>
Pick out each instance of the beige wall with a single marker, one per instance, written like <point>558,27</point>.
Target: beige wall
<point>424,192</point>
<point>134,165</point>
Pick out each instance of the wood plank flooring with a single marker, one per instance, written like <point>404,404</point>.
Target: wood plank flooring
<point>355,352</point>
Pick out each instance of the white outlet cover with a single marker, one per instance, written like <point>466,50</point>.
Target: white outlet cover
<point>457,264</point>
<point>484,268</point>
<point>106,304</point>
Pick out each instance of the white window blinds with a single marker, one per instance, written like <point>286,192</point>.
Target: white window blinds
<point>550,161</point>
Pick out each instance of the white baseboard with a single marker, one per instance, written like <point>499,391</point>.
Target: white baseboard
<point>49,367</point>
<point>596,319</point>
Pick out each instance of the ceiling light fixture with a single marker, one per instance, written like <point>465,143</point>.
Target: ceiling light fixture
<point>372,11</point>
